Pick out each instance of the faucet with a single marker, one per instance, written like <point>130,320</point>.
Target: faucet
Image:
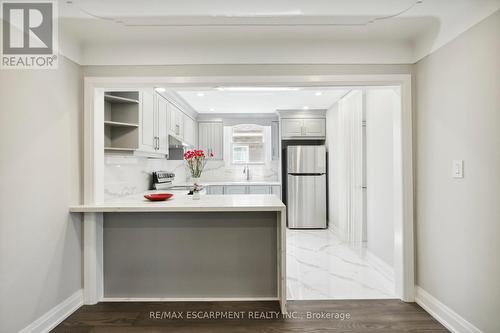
<point>246,171</point>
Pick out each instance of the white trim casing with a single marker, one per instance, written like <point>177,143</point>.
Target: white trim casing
<point>403,168</point>
<point>56,315</point>
<point>446,316</point>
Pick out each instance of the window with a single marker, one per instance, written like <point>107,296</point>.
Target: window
<point>247,144</point>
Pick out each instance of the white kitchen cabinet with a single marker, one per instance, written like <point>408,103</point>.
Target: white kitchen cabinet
<point>259,189</point>
<point>189,131</point>
<point>175,121</point>
<point>235,189</point>
<point>303,128</point>
<point>291,127</point>
<point>314,127</point>
<point>275,141</point>
<point>211,138</point>
<point>147,142</point>
<point>215,189</point>
<point>154,124</point>
<point>245,189</point>
<point>162,125</point>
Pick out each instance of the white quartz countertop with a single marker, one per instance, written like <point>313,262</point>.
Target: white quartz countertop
<point>185,203</point>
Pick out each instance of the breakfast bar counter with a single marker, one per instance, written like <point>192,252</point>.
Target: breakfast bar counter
<point>137,250</point>
<point>185,203</point>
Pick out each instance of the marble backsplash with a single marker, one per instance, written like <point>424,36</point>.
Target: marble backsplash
<point>128,175</point>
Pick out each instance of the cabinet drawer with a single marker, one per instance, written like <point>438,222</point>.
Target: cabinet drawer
<point>215,189</point>
<point>235,189</point>
<point>259,189</point>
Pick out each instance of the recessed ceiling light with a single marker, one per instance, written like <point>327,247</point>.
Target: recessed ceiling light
<point>306,108</point>
<point>318,93</point>
<point>212,109</point>
<point>257,89</point>
<point>200,94</point>
<point>160,89</point>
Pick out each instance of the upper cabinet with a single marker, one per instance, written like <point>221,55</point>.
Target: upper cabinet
<point>305,128</point>
<point>154,123</point>
<point>121,120</point>
<point>189,131</point>
<point>211,137</point>
<point>140,121</point>
<point>176,120</point>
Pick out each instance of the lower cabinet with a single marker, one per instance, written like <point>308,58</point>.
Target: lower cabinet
<point>245,189</point>
<point>233,189</point>
<point>258,189</point>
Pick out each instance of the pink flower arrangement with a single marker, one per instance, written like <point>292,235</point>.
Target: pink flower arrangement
<point>196,160</point>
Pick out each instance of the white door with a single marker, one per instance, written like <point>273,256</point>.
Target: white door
<point>148,139</point>
<point>162,123</point>
<point>314,127</point>
<point>234,189</point>
<point>291,127</point>
<point>259,189</point>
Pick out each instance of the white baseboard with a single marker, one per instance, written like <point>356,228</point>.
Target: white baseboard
<point>446,316</point>
<point>56,315</point>
<point>185,299</point>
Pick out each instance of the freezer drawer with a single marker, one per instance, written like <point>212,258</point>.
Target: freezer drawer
<point>306,159</point>
<point>306,207</point>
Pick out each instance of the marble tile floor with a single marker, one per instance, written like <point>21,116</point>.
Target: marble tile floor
<point>321,266</point>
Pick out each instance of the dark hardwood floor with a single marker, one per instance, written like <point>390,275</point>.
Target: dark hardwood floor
<point>344,316</point>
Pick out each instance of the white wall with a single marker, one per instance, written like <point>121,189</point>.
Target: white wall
<point>381,105</point>
<point>40,177</point>
<point>458,220</point>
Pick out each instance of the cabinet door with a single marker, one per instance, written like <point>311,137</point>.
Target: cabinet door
<point>179,123</point>
<point>217,140</point>
<point>189,131</point>
<point>235,189</point>
<point>172,110</point>
<point>215,189</point>
<point>210,138</point>
<point>259,189</point>
<point>148,133</point>
<point>162,123</point>
<point>291,127</point>
<point>275,141</point>
<point>276,190</point>
<point>314,127</point>
<point>203,136</point>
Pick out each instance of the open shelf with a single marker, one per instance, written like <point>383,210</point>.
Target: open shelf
<point>119,99</point>
<point>117,123</point>
<point>121,121</point>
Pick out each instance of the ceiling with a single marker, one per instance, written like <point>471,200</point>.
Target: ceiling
<point>258,31</point>
<point>205,100</point>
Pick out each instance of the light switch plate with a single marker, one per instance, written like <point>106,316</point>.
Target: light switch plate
<point>458,169</point>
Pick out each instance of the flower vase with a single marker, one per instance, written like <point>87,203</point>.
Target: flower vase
<point>195,187</point>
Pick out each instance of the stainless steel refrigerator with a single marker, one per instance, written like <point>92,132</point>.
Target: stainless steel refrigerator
<point>306,187</point>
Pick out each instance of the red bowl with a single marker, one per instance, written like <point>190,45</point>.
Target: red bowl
<point>158,196</point>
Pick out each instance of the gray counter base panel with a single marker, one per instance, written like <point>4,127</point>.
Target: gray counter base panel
<point>190,255</point>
